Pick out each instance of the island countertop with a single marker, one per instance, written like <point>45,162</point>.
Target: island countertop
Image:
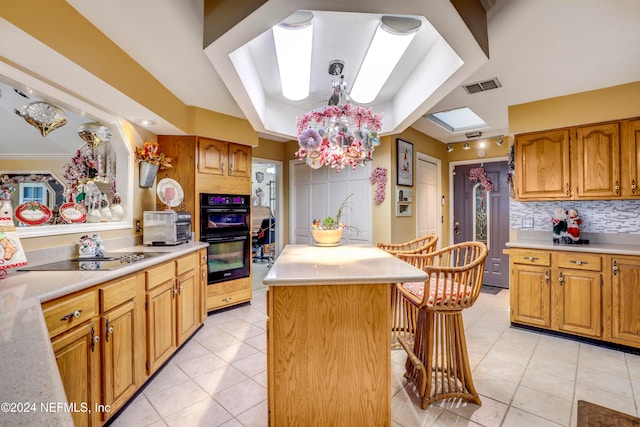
<point>300,265</point>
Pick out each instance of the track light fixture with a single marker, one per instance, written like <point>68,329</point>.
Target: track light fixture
<point>449,148</point>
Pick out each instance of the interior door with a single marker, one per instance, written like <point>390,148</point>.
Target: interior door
<point>484,216</point>
<point>317,193</point>
<point>429,208</point>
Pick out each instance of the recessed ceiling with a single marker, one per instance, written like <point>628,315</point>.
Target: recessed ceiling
<point>429,69</point>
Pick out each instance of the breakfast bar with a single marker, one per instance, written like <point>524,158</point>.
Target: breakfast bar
<point>328,334</point>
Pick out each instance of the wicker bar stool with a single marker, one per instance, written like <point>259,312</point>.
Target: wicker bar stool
<point>438,363</point>
<point>404,314</point>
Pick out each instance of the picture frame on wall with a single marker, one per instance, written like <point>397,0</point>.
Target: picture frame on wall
<point>404,162</point>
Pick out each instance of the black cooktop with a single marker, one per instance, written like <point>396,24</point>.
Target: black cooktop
<point>109,261</point>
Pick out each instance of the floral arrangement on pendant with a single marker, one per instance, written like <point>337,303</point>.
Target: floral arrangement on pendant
<point>150,153</point>
<point>379,176</point>
<point>338,136</point>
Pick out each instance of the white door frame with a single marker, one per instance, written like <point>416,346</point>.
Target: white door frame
<point>452,166</point>
<point>279,196</point>
<point>438,163</point>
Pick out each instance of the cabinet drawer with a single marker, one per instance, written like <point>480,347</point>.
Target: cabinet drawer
<point>530,257</point>
<point>223,288</point>
<point>158,275</point>
<point>65,313</point>
<point>116,293</point>
<point>580,261</point>
<point>230,298</point>
<point>185,263</point>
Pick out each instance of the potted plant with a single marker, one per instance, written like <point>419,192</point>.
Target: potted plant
<point>328,232</point>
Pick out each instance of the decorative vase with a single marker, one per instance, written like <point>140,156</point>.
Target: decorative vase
<point>117,211</point>
<point>327,237</point>
<point>148,173</point>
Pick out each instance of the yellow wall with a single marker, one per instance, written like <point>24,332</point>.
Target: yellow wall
<point>612,103</point>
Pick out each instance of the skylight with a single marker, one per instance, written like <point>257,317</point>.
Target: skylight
<point>458,120</point>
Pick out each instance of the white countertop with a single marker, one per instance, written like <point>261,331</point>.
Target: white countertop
<point>300,265</point>
<point>603,248</point>
<point>28,372</point>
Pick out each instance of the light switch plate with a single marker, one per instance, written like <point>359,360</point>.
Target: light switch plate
<point>527,222</point>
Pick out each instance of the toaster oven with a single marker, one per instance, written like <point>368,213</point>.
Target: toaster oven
<point>166,228</point>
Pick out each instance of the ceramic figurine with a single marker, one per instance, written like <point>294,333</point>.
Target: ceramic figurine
<point>105,212</point>
<point>94,213</point>
<point>573,225</point>
<point>117,211</point>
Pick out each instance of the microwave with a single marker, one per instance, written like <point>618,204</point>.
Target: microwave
<point>166,228</point>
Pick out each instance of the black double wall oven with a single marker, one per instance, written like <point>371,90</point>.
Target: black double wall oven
<point>225,225</point>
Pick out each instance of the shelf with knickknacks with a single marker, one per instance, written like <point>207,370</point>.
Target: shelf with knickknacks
<point>151,161</point>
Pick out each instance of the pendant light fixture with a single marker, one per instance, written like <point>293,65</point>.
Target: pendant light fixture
<point>43,116</point>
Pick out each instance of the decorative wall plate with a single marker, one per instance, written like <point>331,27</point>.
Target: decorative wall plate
<point>170,192</point>
<point>73,212</point>
<point>32,213</point>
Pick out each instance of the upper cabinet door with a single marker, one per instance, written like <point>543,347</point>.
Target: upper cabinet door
<point>542,165</point>
<point>631,160</point>
<point>239,160</point>
<point>212,156</point>
<point>597,160</point>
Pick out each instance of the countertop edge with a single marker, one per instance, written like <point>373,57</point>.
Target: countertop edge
<point>604,248</point>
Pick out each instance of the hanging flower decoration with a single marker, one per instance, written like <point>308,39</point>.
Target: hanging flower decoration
<point>150,153</point>
<point>480,175</point>
<point>379,176</point>
<point>338,136</point>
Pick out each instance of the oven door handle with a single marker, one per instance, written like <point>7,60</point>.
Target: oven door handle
<point>224,210</point>
<point>225,239</point>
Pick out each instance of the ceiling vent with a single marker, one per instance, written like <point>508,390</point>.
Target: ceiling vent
<point>482,86</point>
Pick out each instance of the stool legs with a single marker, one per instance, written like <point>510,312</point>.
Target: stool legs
<point>403,321</point>
<point>438,366</point>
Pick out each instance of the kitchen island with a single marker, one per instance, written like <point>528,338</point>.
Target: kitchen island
<point>329,334</point>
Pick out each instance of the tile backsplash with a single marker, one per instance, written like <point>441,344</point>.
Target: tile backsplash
<point>598,216</point>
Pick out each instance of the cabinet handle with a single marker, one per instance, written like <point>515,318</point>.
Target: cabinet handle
<point>546,277</point>
<point>72,315</point>
<point>531,258</point>
<point>231,164</point>
<point>568,189</point>
<point>615,268</point>
<point>222,167</point>
<point>560,279</point>
<point>578,262</point>
<point>633,186</point>
<point>94,339</point>
<point>617,188</point>
<point>226,299</point>
<point>108,330</point>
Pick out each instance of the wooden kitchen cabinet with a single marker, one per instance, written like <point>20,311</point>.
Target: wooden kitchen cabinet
<point>542,165</point>
<point>623,323</point>
<point>122,342</point>
<point>530,287</point>
<point>77,354</point>
<point>596,157</point>
<point>223,158</point>
<point>101,360</point>
<point>631,158</point>
<point>577,293</point>
<point>188,297</point>
<point>161,316</point>
<point>173,307</point>
<point>557,290</point>
<point>202,256</point>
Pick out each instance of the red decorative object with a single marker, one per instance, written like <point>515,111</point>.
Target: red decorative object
<point>480,175</point>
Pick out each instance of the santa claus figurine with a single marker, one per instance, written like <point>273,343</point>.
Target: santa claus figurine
<point>573,225</point>
<point>559,221</point>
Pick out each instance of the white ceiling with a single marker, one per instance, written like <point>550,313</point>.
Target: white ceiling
<point>538,49</point>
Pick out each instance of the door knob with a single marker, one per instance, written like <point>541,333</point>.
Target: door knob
<point>456,227</point>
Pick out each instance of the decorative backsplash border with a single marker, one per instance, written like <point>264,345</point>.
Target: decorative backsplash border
<point>598,216</point>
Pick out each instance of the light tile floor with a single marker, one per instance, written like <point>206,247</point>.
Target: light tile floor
<point>524,378</point>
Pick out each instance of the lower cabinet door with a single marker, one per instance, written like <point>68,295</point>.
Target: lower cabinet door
<point>78,356</point>
<point>577,300</point>
<point>161,325</point>
<point>625,301</point>
<point>119,356</point>
<point>530,295</point>
<point>188,305</point>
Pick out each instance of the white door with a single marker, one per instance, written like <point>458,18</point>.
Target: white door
<point>317,193</point>
<point>429,207</point>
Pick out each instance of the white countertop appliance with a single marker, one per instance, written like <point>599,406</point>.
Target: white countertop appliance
<point>166,228</point>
